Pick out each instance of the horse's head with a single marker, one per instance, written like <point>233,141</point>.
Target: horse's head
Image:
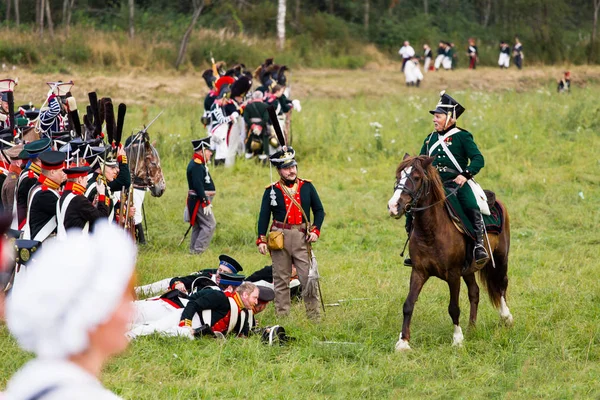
<point>145,164</point>
<point>414,178</point>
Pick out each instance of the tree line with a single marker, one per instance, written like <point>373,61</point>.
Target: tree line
<point>551,30</point>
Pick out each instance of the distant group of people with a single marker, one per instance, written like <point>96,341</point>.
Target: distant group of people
<point>505,52</point>
<point>447,58</point>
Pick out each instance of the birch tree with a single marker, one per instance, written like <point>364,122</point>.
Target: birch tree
<point>281,24</point>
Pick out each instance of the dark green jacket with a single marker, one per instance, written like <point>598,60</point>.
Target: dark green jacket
<point>196,177</point>
<point>253,112</point>
<point>463,148</point>
<point>309,200</point>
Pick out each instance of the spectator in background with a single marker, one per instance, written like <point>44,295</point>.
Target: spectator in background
<point>406,52</point>
<point>518,53</point>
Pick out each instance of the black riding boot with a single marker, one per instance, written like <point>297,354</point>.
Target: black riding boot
<point>408,227</point>
<point>479,253</point>
<point>139,234</point>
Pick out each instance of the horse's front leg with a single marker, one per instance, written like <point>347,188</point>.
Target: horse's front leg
<point>454,309</point>
<point>473,297</point>
<point>417,280</point>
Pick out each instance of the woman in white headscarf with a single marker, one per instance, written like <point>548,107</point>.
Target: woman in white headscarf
<point>72,310</point>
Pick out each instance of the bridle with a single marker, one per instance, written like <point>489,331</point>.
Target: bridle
<point>146,182</point>
<point>415,196</point>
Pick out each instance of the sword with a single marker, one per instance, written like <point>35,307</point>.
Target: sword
<point>145,221</point>
<point>185,235</point>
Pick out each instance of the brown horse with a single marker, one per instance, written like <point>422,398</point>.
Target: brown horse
<point>144,161</point>
<point>438,249</point>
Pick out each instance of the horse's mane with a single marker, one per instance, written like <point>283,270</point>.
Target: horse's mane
<point>422,165</point>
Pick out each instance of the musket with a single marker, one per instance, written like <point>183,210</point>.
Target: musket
<point>214,66</point>
<point>145,130</point>
<point>123,208</point>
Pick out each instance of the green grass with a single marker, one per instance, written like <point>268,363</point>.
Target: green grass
<point>541,151</point>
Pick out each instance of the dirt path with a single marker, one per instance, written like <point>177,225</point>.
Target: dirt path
<point>142,87</point>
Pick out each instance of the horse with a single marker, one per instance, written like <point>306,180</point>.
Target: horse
<point>145,166</point>
<point>437,248</point>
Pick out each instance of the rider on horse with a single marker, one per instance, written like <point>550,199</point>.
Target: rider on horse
<point>451,146</point>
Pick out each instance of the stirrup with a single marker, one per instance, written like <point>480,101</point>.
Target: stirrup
<point>481,260</point>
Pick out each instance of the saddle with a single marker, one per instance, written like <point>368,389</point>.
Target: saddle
<point>493,222</point>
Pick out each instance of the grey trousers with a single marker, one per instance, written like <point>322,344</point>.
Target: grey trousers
<point>202,231</point>
<point>295,252</point>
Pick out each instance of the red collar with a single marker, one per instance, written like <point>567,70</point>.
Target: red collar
<point>199,158</point>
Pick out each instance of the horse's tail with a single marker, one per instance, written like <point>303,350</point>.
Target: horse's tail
<point>495,279</point>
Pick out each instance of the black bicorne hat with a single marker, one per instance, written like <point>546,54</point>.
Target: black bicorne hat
<point>209,78</point>
<point>202,143</point>
<point>230,263</point>
<point>284,158</point>
<point>240,87</point>
<point>447,105</point>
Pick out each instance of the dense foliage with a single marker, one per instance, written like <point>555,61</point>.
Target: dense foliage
<point>552,31</point>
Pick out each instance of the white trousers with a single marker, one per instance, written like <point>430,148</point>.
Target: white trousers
<point>504,60</point>
<point>438,61</point>
<point>153,289</point>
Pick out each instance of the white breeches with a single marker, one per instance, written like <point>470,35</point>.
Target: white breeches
<point>504,60</point>
<point>153,288</point>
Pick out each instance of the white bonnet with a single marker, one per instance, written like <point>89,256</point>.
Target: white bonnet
<point>72,287</point>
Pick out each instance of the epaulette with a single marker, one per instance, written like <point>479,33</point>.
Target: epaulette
<point>198,161</point>
<point>271,184</point>
<point>305,180</point>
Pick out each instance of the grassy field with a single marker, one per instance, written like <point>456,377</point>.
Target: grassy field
<point>541,152</point>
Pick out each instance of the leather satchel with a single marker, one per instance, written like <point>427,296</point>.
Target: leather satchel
<point>275,238</point>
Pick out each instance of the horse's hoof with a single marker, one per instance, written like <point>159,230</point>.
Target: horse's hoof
<point>457,337</point>
<point>507,319</point>
<point>402,345</point>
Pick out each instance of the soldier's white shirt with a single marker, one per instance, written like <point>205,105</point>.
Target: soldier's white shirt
<point>69,381</point>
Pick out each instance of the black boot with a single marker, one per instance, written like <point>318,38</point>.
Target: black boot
<point>139,234</point>
<point>480,255</point>
<point>408,227</point>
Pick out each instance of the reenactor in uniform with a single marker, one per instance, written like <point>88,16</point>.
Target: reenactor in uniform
<point>462,148</point>
<point>564,85</point>
<point>4,117</point>
<point>10,184</point>
<point>473,54</point>
<point>290,201</point>
<point>27,179</point>
<point>257,118</point>
<point>504,57</point>
<point>200,196</point>
<point>75,211</point>
<point>518,53</point>
<point>41,212</point>
<point>190,283</point>
<point>115,174</point>
<point>222,312</point>
<point>53,118</point>
<point>427,56</point>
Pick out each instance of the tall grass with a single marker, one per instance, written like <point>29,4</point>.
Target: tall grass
<point>90,47</point>
<point>541,153</point>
